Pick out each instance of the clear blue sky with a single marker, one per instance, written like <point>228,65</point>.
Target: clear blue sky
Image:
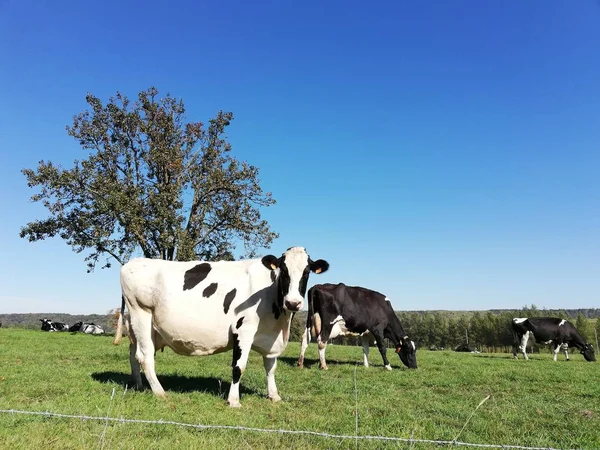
<point>445,153</point>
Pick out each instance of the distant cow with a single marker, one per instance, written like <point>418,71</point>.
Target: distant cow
<point>466,348</point>
<point>47,325</point>
<point>59,326</point>
<point>549,330</point>
<point>87,328</point>
<point>339,310</point>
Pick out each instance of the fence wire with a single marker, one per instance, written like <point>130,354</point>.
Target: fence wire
<point>270,430</point>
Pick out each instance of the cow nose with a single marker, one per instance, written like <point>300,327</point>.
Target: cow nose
<point>293,305</point>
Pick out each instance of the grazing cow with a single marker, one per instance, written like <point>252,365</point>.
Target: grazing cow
<point>87,328</point>
<point>47,325</point>
<point>340,310</point>
<point>201,308</point>
<point>549,330</point>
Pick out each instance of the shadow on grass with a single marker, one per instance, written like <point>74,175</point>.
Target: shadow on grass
<point>176,383</point>
<point>310,363</point>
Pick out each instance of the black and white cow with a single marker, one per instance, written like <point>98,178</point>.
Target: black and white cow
<point>549,330</point>
<point>59,326</point>
<point>87,328</point>
<point>340,310</point>
<point>201,308</point>
<point>47,325</point>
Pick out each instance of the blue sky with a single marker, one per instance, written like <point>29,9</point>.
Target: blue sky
<point>444,153</point>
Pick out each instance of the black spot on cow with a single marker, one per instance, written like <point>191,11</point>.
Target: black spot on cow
<point>237,354</point>
<point>276,310</point>
<point>195,275</point>
<point>239,323</point>
<point>228,299</point>
<point>210,290</point>
<point>236,374</point>
<point>237,350</point>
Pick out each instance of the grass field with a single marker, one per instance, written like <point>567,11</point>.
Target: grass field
<point>535,403</point>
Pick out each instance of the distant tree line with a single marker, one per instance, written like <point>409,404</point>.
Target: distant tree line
<point>488,331</point>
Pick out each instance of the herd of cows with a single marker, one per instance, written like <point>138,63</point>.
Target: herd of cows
<point>87,328</point>
<point>201,308</point>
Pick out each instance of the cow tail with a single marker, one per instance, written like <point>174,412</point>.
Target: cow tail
<point>120,318</point>
<point>309,315</point>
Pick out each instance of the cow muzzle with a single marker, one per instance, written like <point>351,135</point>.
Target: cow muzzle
<point>292,305</point>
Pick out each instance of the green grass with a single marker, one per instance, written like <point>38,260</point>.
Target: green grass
<point>533,403</point>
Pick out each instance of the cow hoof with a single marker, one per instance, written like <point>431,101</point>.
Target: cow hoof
<point>234,403</point>
<point>323,367</point>
<point>275,398</point>
<point>388,367</point>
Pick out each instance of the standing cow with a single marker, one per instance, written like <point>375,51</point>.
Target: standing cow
<point>549,330</point>
<point>339,310</point>
<point>201,308</point>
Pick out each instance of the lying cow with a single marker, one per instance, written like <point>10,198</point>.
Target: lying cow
<point>340,310</point>
<point>87,328</point>
<point>549,330</point>
<point>47,325</point>
<point>202,308</point>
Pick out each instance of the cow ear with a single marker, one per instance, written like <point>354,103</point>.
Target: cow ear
<point>270,262</point>
<point>319,266</point>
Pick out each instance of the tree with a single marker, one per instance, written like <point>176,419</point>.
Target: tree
<point>151,182</point>
<point>584,327</point>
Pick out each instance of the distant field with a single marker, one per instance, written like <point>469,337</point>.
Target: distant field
<point>533,403</point>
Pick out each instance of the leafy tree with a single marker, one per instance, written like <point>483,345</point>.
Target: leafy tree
<point>584,327</point>
<point>151,182</point>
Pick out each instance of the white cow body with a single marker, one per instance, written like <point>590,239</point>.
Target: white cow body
<point>198,308</point>
<point>193,325</point>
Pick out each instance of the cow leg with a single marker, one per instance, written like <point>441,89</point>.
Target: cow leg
<point>566,350</point>
<point>270,365</point>
<point>322,346</point>
<point>142,327</point>
<point>242,344</point>
<point>365,344</point>
<point>556,350</point>
<point>523,347</point>
<point>381,346</point>
<point>133,362</point>
<point>135,365</point>
<point>305,342</point>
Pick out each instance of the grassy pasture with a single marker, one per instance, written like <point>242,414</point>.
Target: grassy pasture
<point>533,403</point>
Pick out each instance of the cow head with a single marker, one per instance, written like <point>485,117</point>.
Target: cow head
<point>76,327</point>
<point>47,325</point>
<point>407,352</point>
<point>294,267</point>
<point>588,352</point>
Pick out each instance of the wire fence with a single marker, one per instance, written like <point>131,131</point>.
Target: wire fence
<point>356,437</point>
<point>271,430</point>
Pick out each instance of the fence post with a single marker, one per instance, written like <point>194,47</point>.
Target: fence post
<point>596,333</point>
